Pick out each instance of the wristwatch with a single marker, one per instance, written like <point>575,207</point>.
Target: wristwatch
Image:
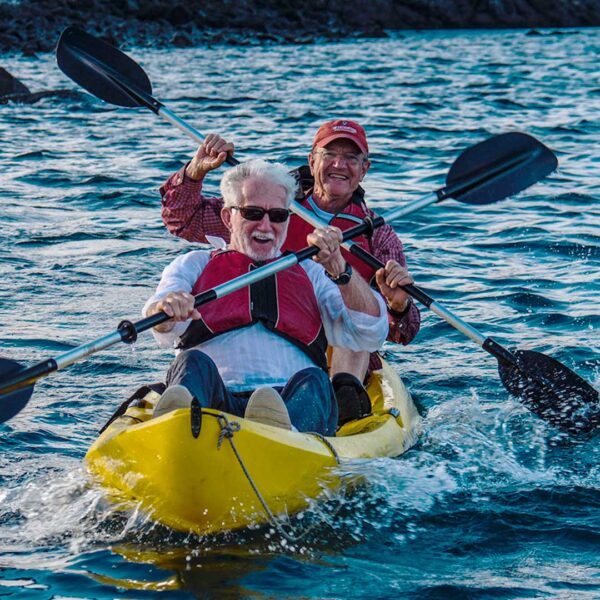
<point>343,278</point>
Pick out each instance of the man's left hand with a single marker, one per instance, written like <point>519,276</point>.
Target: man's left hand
<point>389,279</point>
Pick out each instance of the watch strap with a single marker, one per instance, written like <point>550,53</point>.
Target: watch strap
<point>342,278</point>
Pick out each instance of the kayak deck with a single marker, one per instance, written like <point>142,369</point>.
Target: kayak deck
<point>236,472</point>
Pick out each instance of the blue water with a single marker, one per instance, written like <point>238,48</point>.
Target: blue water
<point>492,503</point>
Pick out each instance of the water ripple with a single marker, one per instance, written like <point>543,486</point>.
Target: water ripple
<point>492,502</point>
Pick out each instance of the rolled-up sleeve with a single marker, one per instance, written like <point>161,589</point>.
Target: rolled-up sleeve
<point>187,213</point>
<point>385,246</point>
<point>347,328</point>
<point>179,276</point>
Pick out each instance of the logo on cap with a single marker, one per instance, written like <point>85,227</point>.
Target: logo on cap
<point>344,127</point>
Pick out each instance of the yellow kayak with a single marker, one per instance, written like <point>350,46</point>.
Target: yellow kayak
<point>236,472</point>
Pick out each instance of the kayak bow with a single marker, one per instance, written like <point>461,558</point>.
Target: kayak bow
<point>236,472</point>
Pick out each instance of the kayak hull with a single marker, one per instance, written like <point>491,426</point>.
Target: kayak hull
<point>236,472</point>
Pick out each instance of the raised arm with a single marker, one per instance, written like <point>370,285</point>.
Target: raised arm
<point>185,211</point>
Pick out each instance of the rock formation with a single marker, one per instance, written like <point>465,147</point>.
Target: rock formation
<point>34,25</point>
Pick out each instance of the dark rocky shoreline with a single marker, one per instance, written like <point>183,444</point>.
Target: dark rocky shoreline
<point>33,26</point>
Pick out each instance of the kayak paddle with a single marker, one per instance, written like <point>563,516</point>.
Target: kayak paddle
<point>487,172</point>
<point>16,381</point>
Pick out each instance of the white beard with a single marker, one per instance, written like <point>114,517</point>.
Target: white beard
<point>243,245</point>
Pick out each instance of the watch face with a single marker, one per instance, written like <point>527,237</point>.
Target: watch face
<point>343,278</point>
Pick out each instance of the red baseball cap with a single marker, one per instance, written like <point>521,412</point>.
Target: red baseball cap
<point>341,128</point>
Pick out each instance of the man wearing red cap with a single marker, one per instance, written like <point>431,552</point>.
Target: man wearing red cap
<point>338,163</point>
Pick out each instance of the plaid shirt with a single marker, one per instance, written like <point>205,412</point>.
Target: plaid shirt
<point>191,216</point>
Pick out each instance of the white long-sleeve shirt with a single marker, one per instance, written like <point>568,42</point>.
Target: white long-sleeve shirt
<point>254,356</point>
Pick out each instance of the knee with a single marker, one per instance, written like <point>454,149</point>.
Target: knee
<point>193,361</point>
<point>314,383</point>
<point>314,375</point>
<point>194,357</point>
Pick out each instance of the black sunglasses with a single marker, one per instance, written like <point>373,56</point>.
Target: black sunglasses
<point>255,213</point>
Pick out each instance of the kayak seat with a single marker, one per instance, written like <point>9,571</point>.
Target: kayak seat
<point>137,399</point>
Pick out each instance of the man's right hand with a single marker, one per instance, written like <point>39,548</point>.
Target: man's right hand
<point>178,305</point>
<point>210,155</point>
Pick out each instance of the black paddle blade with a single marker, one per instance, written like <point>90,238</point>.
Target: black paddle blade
<point>12,402</point>
<point>552,391</point>
<point>497,168</point>
<point>103,70</point>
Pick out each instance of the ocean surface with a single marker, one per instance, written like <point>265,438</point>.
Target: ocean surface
<point>492,502</point>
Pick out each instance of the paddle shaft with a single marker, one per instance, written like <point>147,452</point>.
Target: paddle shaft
<point>487,343</point>
<point>127,331</point>
<point>182,125</point>
<point>464,186</point>
<point>443,193</point>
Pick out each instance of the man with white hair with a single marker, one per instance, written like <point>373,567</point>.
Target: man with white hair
<point>331,188</point>
<point>260,351</point>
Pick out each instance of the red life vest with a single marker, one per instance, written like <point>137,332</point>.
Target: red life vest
<point>284,303</point>
<point>352,215</point>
